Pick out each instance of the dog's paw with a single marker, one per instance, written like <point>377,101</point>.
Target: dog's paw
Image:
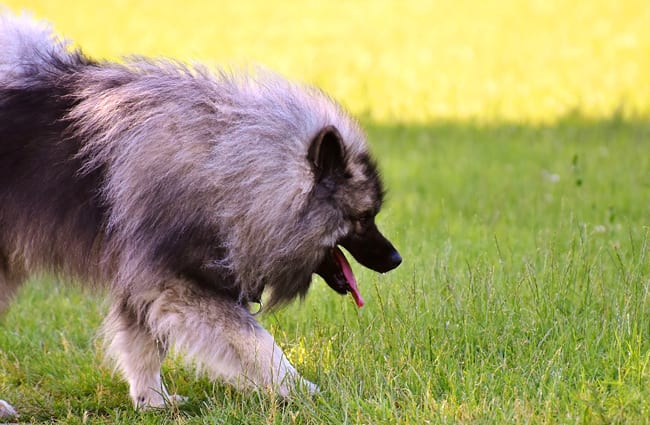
<point>6,410</point>
<point>305,386</point>
<point>297,385</point>
<point>160,402</point>
<point>310,387</point>
<point>176,400</point>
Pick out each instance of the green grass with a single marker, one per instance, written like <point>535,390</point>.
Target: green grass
<point>523,298</point>
<point>514,142</point>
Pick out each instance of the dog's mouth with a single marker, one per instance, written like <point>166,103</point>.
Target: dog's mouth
<point>337,273</point>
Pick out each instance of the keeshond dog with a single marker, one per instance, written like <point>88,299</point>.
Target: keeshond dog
<point>187,193</point>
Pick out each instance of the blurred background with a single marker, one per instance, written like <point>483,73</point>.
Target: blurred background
<point>404,61</point>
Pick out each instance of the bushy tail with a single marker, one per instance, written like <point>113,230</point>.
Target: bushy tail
<point>27,45</point>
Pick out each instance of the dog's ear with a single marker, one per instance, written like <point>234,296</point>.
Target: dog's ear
<point>327,153</point>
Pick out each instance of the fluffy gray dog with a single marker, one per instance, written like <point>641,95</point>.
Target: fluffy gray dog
<point>187,194</point>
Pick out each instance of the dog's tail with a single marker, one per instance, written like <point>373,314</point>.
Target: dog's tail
<point>28,46</point>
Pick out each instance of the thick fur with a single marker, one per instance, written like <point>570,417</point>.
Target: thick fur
<point>187,193</point>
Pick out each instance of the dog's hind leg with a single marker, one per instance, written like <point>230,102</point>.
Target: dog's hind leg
<point>6,410</point>
<point>12,275</point>
<point>224,339</point>
<point>138,356</point>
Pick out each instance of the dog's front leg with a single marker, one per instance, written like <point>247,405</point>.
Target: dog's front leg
<point>225,340</point>
<point>265,365</point>
<point>138,356</point>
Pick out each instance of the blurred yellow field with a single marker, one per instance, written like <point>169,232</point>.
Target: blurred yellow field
<point>399,61</point>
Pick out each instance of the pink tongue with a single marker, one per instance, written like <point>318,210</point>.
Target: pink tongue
<point>349,276</point>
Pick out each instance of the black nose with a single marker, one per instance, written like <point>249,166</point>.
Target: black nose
<point>395,260</point>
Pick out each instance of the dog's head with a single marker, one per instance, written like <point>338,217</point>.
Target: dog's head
<point>350,185</point>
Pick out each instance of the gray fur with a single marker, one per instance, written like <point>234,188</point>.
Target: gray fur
<point>193,194</point>
<point>210,139</point>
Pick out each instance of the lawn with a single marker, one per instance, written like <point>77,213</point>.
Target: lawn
<point>513,138</point>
